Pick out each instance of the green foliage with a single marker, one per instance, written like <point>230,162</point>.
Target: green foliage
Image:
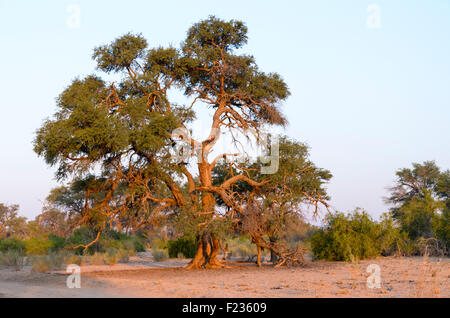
<point>298,173</point>
<point>57,243</point>
<point>109,240</point>
<point>275,207</point>
<point>121,53</point>
<point>123,255</point>
<point>101,124</point>
<point>83,236</point>
<point>119,240</point>
<point>421,198</point>
<point>37,246</point>
<point>415,182</point>
<point>184,245</point>
<point>417,215</point>
<point>355,236</point>
<point>139,243</point>
<point>111,257</point>
<point>10,222</point>
<point>158,243</point>
<point>12,244</point>
<point>441,228</point>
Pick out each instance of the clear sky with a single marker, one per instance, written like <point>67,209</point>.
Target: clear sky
<point>368,98</point>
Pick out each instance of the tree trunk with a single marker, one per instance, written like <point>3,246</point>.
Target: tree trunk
<point>273,256</point>
<point>207,250</point>
<point>208,245</point>
<point>258,257</point>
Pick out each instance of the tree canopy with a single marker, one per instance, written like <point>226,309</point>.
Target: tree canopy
<point>421,202</point>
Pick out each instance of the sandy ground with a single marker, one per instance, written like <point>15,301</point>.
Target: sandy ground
<point>142,277</point>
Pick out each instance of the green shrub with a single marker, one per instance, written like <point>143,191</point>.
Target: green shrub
<point>123,256</point>
<point>392,240</point>
<point>83,236</point>
<point>111,257</point>
<point>139,244</point>
<point>37,246</point>
<point>356,236</point>
<point>57,243</point>
<point>158,244</point>
<point>184,245</point>
<point>418,215</point>
<point>441,228</point>
<point>159,255</point>
<point>12,244</point>
<point>180,255</point>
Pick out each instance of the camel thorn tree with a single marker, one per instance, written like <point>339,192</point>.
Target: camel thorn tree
<point>118,138</point>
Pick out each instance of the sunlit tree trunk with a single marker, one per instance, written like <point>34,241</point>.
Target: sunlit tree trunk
<point>208,244</point>
<point>258,257</point>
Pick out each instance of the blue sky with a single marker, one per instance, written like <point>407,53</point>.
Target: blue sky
<point>367,101</point>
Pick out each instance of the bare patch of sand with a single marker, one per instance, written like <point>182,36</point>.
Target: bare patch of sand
<point>142,277</point>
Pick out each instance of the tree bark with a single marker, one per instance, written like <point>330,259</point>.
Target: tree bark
<point>273,255</point>
<point>207,250</point>
<point>258,257</point>
<point>208,245</point>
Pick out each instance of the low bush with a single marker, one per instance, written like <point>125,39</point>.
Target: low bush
<point>183,245</point>
<point>356,236</point>
<point>159,254</point>
<point>111,257</point>
<point>12,258</point>
<point>12,244</point>
<point>97,259</point>
<point>82,236</point>
<point>45,263</point>
<point>37,246</point>
<point>158,243</point>
<point>57,243</point>
<point>41,264</point>
<point>123,256</point>
<point>73,259</point>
